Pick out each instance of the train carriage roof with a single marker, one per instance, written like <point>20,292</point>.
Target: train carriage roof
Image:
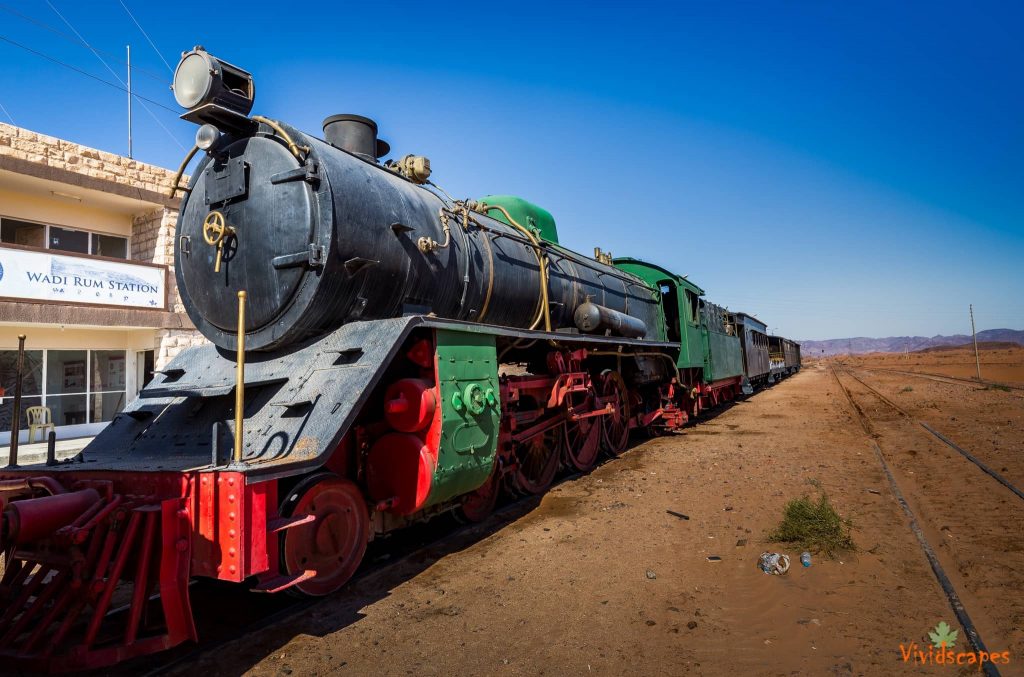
<point>747,318</point>
<point>652,273</point>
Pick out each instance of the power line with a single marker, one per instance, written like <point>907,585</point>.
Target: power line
<point>144,33</point>
<point>8,114</point>
<point>114,73</point>
<point>87,74</point>
<point>70,38</point>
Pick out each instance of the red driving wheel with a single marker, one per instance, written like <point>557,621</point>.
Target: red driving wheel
<point>582,437</point>
<point>616,424</point>
<point>537,460</point>
<point>333,545</point>
<point>477,505</point>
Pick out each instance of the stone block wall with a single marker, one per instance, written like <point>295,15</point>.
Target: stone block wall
<point>48,157</point>
<point>152,239</point>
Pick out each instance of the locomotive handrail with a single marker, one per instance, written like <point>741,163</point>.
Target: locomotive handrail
<point>240,380</point>
<point>570,255</point>
<point>175,183</point>
<point>645,353</point>
<point>276,126</point>
<point>542,260</point>
<point>293,148</point>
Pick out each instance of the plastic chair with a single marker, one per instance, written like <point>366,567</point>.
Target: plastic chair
<point>39,418</point>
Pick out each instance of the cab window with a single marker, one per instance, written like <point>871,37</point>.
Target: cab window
<point>670,302</point>
<point>691,301</point>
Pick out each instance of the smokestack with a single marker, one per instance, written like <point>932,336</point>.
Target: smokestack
<point>355,134</point>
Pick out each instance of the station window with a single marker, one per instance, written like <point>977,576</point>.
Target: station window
<point>43,236</point>
<point>79,386</point>
<point>22,233</point>
<point>68,240</point>
<point>110,245</point>
<point>31,385</point>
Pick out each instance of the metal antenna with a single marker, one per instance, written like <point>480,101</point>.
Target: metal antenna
<point>129,48</point>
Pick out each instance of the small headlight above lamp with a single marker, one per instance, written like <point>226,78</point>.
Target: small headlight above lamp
<point>202,79</point>
<point>206,136</point>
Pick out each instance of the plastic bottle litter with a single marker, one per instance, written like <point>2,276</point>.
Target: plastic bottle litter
<point>805,559</point>
<point>773,563</point>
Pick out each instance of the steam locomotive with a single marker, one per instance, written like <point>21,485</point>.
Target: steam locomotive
<point>379,354</point>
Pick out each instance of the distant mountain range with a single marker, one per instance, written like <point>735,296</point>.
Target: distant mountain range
<point>899,344</point>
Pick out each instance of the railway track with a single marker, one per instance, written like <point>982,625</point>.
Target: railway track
<point>226,603</point>
<point>942,438</point>
<point>955,380</point>
<point>930,513</point>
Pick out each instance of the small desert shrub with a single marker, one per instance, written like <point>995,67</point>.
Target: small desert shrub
<point>814,526</point>
<point>997,386</point>
<point>908,389</point>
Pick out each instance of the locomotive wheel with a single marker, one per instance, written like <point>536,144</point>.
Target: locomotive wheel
<point>654,430</point>
<point>479,504</point>
<point>335,543</point>
<point>582,442</point>
<point>615,431</point>
<point>538,461</point>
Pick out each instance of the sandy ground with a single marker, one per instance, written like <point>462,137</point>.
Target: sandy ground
<point>1002,365</point>
<point>597,578</point>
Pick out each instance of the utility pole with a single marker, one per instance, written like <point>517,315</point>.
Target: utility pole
<point>977,360</point>
<point>129,48</point>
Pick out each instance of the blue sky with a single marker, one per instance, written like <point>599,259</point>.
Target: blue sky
<point>838,169</point>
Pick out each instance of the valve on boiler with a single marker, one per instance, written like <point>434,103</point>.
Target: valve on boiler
<point>416,168</point>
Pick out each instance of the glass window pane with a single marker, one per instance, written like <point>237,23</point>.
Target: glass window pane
<point>105,405</point>
<point>69,240</point>
<point>65,372</point>
<point>67,409</point>
<point>107,371</point>
<point>7,410</point>
<point>110,245</point>
<point>32,374</point>
<point>144,359</point>
<point>23,233</point>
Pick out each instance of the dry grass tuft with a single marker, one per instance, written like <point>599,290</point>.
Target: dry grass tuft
<point>815,526</point>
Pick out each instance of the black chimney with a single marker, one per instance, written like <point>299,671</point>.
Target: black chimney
<point>355,134</point>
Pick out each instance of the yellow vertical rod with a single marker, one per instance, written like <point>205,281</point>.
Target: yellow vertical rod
<point>240,377</point>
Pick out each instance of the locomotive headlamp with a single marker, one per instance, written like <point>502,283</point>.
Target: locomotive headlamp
<point>206,136</point>
<point>201,79</point>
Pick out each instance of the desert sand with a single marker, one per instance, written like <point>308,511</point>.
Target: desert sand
<point>598,578</point>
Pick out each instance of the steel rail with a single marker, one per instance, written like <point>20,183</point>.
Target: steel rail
<point>970,457</point>
<point>942,438</point>
<point>946,377</point>
<point>959,610</point>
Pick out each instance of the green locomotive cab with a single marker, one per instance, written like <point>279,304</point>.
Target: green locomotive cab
<point>710,355</point>
<point>680,300</point>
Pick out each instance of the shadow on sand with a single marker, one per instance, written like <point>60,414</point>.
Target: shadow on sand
<point>226,613</point>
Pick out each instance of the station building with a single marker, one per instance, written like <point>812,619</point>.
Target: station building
<point>87,275</point>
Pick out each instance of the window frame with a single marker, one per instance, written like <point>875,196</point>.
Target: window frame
<point>87,393</point>
<point>90,233</point>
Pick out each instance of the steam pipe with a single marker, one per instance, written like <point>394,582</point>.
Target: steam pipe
<point>240,379</point>
<point>34,519</point>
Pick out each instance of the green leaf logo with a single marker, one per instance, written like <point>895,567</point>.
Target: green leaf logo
<point>943,636</point>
